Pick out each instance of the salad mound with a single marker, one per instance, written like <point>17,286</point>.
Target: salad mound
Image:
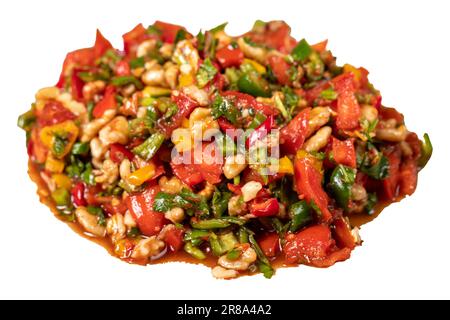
<point>244,153</point>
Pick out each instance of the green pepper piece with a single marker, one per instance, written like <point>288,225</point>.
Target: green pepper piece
<point>300,213</point>
<point>80,148</point>
<point>426,151</point>
<point>341,183</point>
<point>301,51</point>
<point>210,224</point>
<point>148,148</point>
<point>193,251</point>
<point>121,81</point>
<point>254,85</point>
<point>61,197</point>
<point>26,120</point>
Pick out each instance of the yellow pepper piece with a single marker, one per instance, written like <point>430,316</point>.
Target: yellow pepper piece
<point>62,181</point>
<point>315,162</point>
<point>356,73</point>
<point>67,130</point>
<point>258,67</point>
<point>286,166</point>
<point>151,91</point>
<point>185,123</point>
<point>54,165</point>
<point>141,175</point>
<point>185,80</point>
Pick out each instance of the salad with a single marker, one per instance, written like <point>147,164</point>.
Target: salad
<point>244,153</point>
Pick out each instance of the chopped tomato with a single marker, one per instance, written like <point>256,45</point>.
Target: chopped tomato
<point>78,194</point>
<point>174,238</point>
<point>308,181</point>
<point>108,102</point>
<point>211,166</point>
<point>209,169</point>
<point>348,111</point>
<point>416,146</point>
<point>76,85</point>
<point>185,107</point>
<point>314,93</point>
<point>123,68</point>
<point>133,38</point>
<point>243,100</point>
<point>270,244</point>
<point>391,113</point>
<point>313,243</point>
<point>53,113</point>
<point>229,57</point>
<point>336,256</point>
<point>140,205</point>
<point>101,45</point>
<point>343,152</point>
<point>75,59</point>
<point>168,30</point>
<point>118,152</point>
<point>280,69</point>
<point>293,135</point>
<point>390,184</point>
<point>408,177</point>
<point>321,46</point>
<point>111,209</point>
<point>253,175</point>
<point>265,208</point>
<point>187,173</point>
<point>343,235</point>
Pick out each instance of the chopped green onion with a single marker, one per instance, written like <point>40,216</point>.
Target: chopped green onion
<point>426,151</point>
<point>80,148</point>
<point>149,147</point>
<point>210,224</point>
<point>193,251</point>
<point>121,81</point>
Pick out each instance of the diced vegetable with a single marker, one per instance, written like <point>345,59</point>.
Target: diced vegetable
<point>341,183</point>
<point>150,146</point>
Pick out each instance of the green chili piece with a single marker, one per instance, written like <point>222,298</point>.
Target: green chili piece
<point>61,197</point>
<point>254,85</point>
<point>301,215</point>
<point>301,51</point>
<point>210,224</point>
<point>80,148</point>
<point>26,120</point>
<point>341,183</point>
<point>121,81</point>
<point>193,251</point>
<point>148,148</point>
<point>426,151</point>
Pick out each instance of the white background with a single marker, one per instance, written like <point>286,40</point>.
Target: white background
<point>405,46</point>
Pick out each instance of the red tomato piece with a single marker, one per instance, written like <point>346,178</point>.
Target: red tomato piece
<point>390,184</point>
<point>101,45</point>
<point>169,31</point>
<point>108,102</point>
<point>343,152</point>
<point>185,107</point>
<point>408,177</point>
<point>78,58</point>
<point>266,208</point>
<point>118,152</point>
<point>243,100</point>
<point>77,193</point>
<point>391,113</point>
<point>229,57</point>
<point>140,205</point>
<point>187,173</point>
<point>133,38</point>
<point>174,238</point>
<point>343,234</point>
<point>280,69</point>
<point>321,46</point>
<point>308,245</point>
<point>336,256</point>
<point>111,210</point>
<point>348,111</point>
<point>309,184</point>
<point>270,244</point>
<point>76,85</point>
<point>293,135</point>
<point>123,68</point>
<point>53,113</point>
